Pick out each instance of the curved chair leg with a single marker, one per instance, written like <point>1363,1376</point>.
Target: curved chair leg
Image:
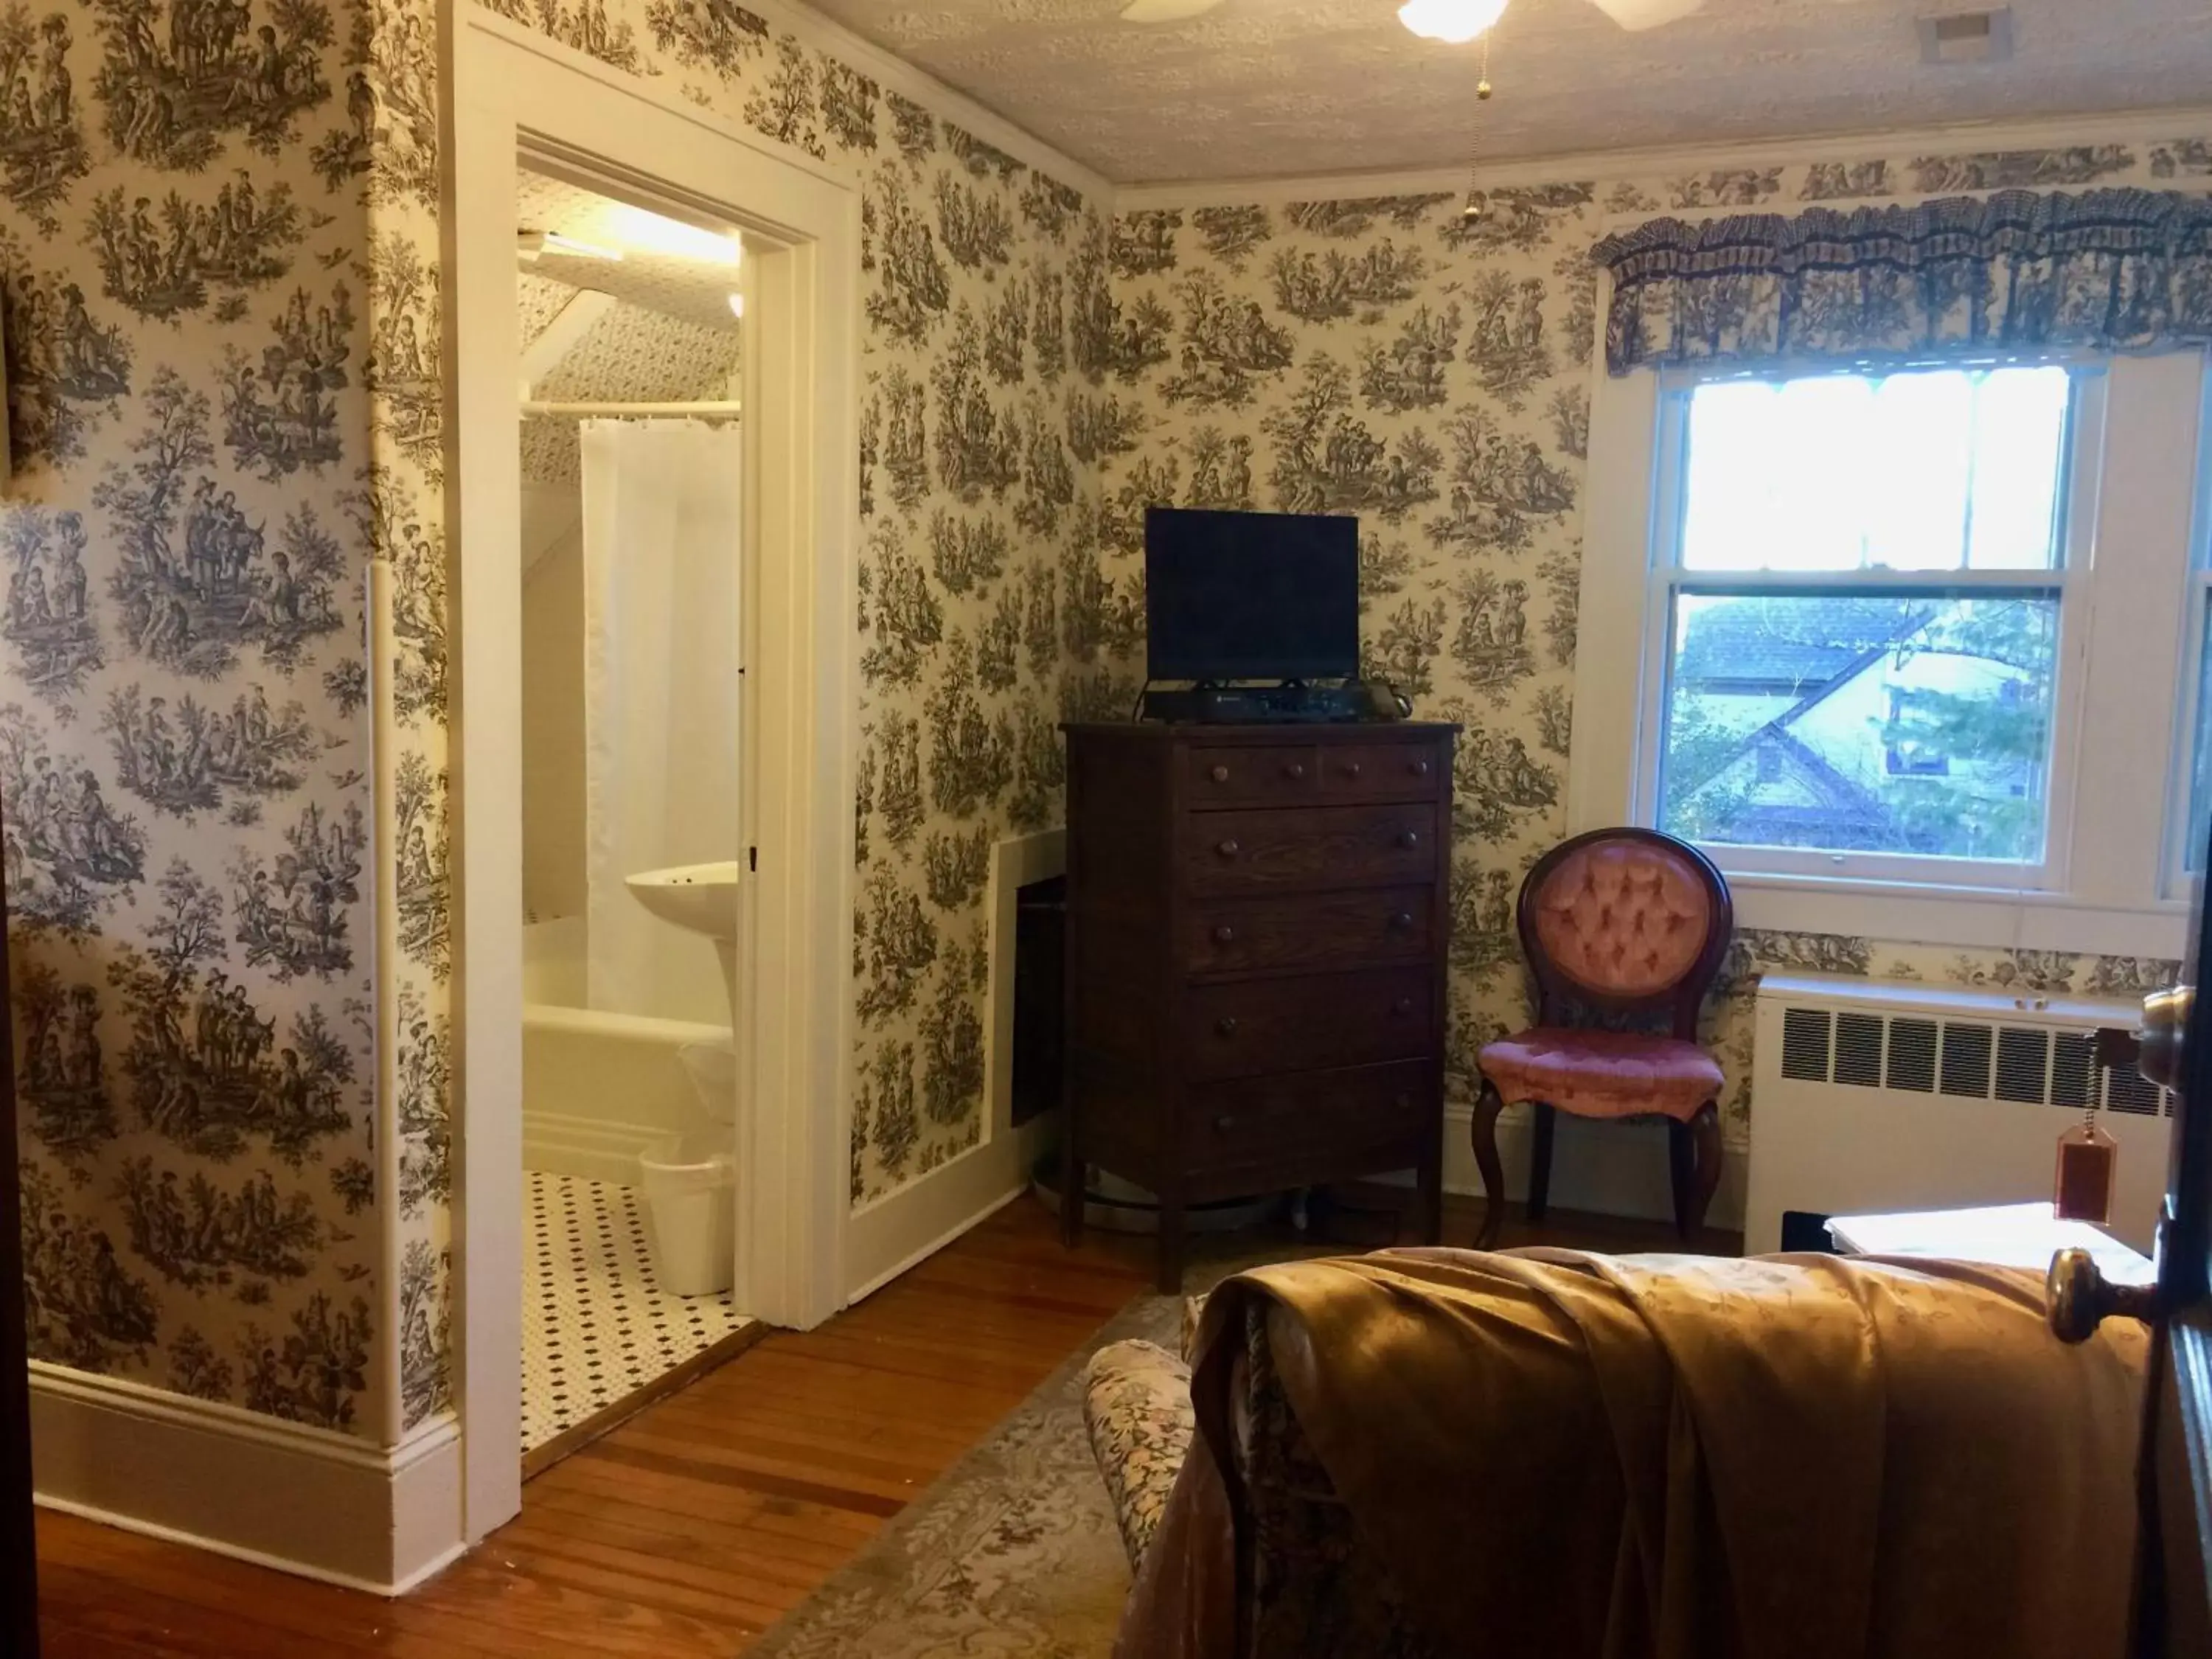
<point>1544,1120</point>
<point>1487,1106</point>
<point>1696,1150</point>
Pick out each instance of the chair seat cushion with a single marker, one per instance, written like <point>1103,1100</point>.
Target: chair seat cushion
<point>1602,1073</point>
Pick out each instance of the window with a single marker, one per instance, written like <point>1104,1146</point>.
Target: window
<point>1864,579</point>
<point>1922,652</point>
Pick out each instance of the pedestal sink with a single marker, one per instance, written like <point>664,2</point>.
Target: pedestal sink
<point>702,898</point>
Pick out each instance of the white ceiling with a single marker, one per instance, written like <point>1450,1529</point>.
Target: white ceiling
<point>1262,89</point>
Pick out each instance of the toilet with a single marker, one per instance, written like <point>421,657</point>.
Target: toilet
<point>690,1180</point>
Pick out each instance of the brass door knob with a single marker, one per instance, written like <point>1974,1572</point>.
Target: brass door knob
<point>2165,1024</point>
<point>2078,1298</point>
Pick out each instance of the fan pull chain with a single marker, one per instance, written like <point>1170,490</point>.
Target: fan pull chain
<point>1477,203</point>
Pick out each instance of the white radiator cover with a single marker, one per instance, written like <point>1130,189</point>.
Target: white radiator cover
<point>1877,1095</point>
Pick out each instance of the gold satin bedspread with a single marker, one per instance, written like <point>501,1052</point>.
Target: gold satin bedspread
<point>1684,1458</point>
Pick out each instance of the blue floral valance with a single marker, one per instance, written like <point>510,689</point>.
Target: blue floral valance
<point>2112,270</point>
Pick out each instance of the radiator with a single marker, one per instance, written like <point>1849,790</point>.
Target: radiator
<point>1878,1095</point>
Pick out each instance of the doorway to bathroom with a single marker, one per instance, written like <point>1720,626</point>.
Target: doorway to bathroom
<point>652,776</point>
<point>634,585</point>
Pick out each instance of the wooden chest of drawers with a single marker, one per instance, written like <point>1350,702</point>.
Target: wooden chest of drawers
<point>1256,920</point>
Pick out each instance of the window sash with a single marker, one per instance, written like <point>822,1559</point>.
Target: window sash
<point>2069,582</point>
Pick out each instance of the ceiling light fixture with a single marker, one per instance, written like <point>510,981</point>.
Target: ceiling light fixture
<point>575,248</point>
<point>1454,21</point>
<point>654,232</point>
<point>737,305</point>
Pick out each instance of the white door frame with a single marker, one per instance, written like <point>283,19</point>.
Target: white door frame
<point>517,91</point>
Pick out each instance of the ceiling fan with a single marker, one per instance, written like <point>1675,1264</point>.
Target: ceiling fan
<point>1455,21</point>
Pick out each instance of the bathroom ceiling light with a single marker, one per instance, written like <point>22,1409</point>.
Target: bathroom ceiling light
<point>1456,21</point>
<point>652,233</point>
<point>737,305</point>
<point>575,249</point>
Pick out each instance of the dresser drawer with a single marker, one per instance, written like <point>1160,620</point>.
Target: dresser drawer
<point>1290,849</point>
<point>1359,929</point>
<point>1381,771</point>
<point>1289,1122</point>
<point>1261,1025</point>
<point>1225,775</point>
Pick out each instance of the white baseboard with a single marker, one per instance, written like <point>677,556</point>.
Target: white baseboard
<point>307,1501</point>
<point>1605,1167</point>
<point>589,1148</point>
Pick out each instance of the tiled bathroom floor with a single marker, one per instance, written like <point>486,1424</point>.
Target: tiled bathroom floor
<point>596,1328</point>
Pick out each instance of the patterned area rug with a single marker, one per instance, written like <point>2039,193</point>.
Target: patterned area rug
<point>1012,1553</point>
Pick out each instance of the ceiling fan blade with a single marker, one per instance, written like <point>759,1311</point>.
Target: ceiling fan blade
<point>1646,14</point>
<point>1165,11</point>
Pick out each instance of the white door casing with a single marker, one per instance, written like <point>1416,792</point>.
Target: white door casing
<point>519,95</point>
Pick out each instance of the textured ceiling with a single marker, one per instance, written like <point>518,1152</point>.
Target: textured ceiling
<point>1282,87</point>
<point>669,337</point>
<point>697,293</point>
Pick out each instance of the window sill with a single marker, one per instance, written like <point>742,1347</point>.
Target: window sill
<point>1985,918</point>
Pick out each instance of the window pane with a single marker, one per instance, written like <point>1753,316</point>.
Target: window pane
<point>1916,724</point>
<point>1931,470</point>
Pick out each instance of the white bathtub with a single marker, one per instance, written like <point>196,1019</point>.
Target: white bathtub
<point>597,1088</point>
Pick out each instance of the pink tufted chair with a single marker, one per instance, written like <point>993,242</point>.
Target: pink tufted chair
<point>1617,920</point>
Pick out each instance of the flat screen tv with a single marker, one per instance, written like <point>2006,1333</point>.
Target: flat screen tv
<point>1250,596</point>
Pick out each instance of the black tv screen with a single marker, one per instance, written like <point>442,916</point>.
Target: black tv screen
<point>1250,596</point>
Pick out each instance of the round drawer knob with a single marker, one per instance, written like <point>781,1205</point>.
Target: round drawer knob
<point>1226,1026</point>
<point>1229,849</point>
<point>1220,775</point>
<point>1224,934</point>
<point>1402,1007</point>
<point>1295,770</point>
<point>1402,921</point>
<point>1419,768</point>
<point>1225,1123</point>
<point>1409,838</point>
<point>1351,768</point>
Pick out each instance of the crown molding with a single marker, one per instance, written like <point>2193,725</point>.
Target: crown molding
<point>895,74</point>
<point>2139,125</point>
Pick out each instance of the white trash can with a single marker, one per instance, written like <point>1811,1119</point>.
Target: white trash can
<point>691,1203</point>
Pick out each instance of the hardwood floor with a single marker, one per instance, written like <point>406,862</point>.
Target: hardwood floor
<point>696,1525</point>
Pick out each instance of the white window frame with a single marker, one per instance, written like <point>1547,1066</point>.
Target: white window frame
<point>2180,832</point>
<point>2126,660</point>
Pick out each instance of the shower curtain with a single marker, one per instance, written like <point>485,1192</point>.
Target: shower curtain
<point>662,535</point>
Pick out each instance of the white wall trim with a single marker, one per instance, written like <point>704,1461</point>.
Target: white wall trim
<point>895,74</point>
<point>304,1500</point>
<point>589,1148</point>
<point>2119,126</point>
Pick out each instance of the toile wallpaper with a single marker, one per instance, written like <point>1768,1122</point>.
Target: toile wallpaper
<point>1376,356</point>
<point>219,283</point>
<point>185,277</point>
